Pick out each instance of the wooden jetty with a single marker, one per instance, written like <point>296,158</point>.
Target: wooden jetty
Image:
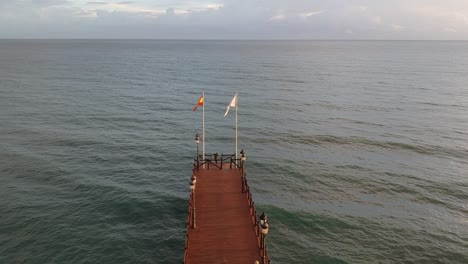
<point>222,222</point>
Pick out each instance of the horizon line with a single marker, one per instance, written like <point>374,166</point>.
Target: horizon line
<point>232,39</point>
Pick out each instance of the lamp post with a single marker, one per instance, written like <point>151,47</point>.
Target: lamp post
<point>264,232</point>
<point>197,140</point>
<point>192,190</point>
<point>243,159</point>
<point>242,156</point>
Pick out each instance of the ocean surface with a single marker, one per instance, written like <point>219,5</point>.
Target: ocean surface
<point>357,150</point>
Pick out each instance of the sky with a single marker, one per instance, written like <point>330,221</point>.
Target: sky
<point>235,19</point>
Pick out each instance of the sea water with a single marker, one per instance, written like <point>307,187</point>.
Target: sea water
<point>356,150</point>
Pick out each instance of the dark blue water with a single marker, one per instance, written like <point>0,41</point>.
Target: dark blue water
<point>358,151</point>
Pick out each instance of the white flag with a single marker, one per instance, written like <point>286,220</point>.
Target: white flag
<point>233,103</point>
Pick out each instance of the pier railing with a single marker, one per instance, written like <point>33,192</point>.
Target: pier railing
<point>233,163</point>
<point>189,225</point>
<point>218,161</point>
<point>253,213</point>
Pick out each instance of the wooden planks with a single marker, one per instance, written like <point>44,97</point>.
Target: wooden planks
<point>225,232</point>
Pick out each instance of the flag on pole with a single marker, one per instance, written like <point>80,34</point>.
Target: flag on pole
<point>233,103</point>
<point>200,103</point>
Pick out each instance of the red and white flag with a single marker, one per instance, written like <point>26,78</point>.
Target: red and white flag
<point>200,103</point>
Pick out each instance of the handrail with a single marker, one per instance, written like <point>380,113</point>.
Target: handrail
<point>208,160</point>
<point>188,225</point>
<point>250,202</point>
<point>254,215</point>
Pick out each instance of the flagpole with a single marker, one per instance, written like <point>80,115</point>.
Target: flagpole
<point>237,106</point>
<point>203,127</point>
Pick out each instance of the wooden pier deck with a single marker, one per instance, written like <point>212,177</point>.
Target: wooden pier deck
<point>225,226</point>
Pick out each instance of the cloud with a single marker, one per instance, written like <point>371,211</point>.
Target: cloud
<point>397,27</point>
<point>278,16</point>
<point>47,3</point>
<point>96,3</point>
<point>312,13</point>
<point>170,12</point>
<point>335,19</point>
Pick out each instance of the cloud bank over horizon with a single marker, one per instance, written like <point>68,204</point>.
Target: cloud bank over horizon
<point>235,19</point>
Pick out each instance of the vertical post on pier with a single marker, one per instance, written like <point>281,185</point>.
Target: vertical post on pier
<point>192,190</point>
<point>264,225</point>
<point>197,140</point>
<point>243,159</point>
<point>194,225</point>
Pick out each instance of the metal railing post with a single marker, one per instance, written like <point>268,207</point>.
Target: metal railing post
<point>193,210</point>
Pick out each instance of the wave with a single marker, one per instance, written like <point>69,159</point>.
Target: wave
<point>360,141</point>
<point>311,237</point>
<point>442,105</point>
<point>359,122</point>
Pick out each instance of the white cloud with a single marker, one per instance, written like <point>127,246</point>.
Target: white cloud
<point>370,19</point>
<point>397,27</point>
<point>312,13</point>
<point>129,7</point>
<point>47,3</point>
<point>278,16</point>
<point>214,6</point>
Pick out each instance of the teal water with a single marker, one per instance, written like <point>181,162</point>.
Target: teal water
<point>357,150</point>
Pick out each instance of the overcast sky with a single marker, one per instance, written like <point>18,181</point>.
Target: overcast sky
<point>235,19</point>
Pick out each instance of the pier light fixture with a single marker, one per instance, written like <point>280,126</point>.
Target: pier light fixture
<point>263,223</point>
<point>264,232</point>
<point>197,140</point>
<point>263,218</point>
<point>192,185</point>
<point>192,197</point>
<point>265,228</point>
<point>193,179</point>
<point>243,156</point>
